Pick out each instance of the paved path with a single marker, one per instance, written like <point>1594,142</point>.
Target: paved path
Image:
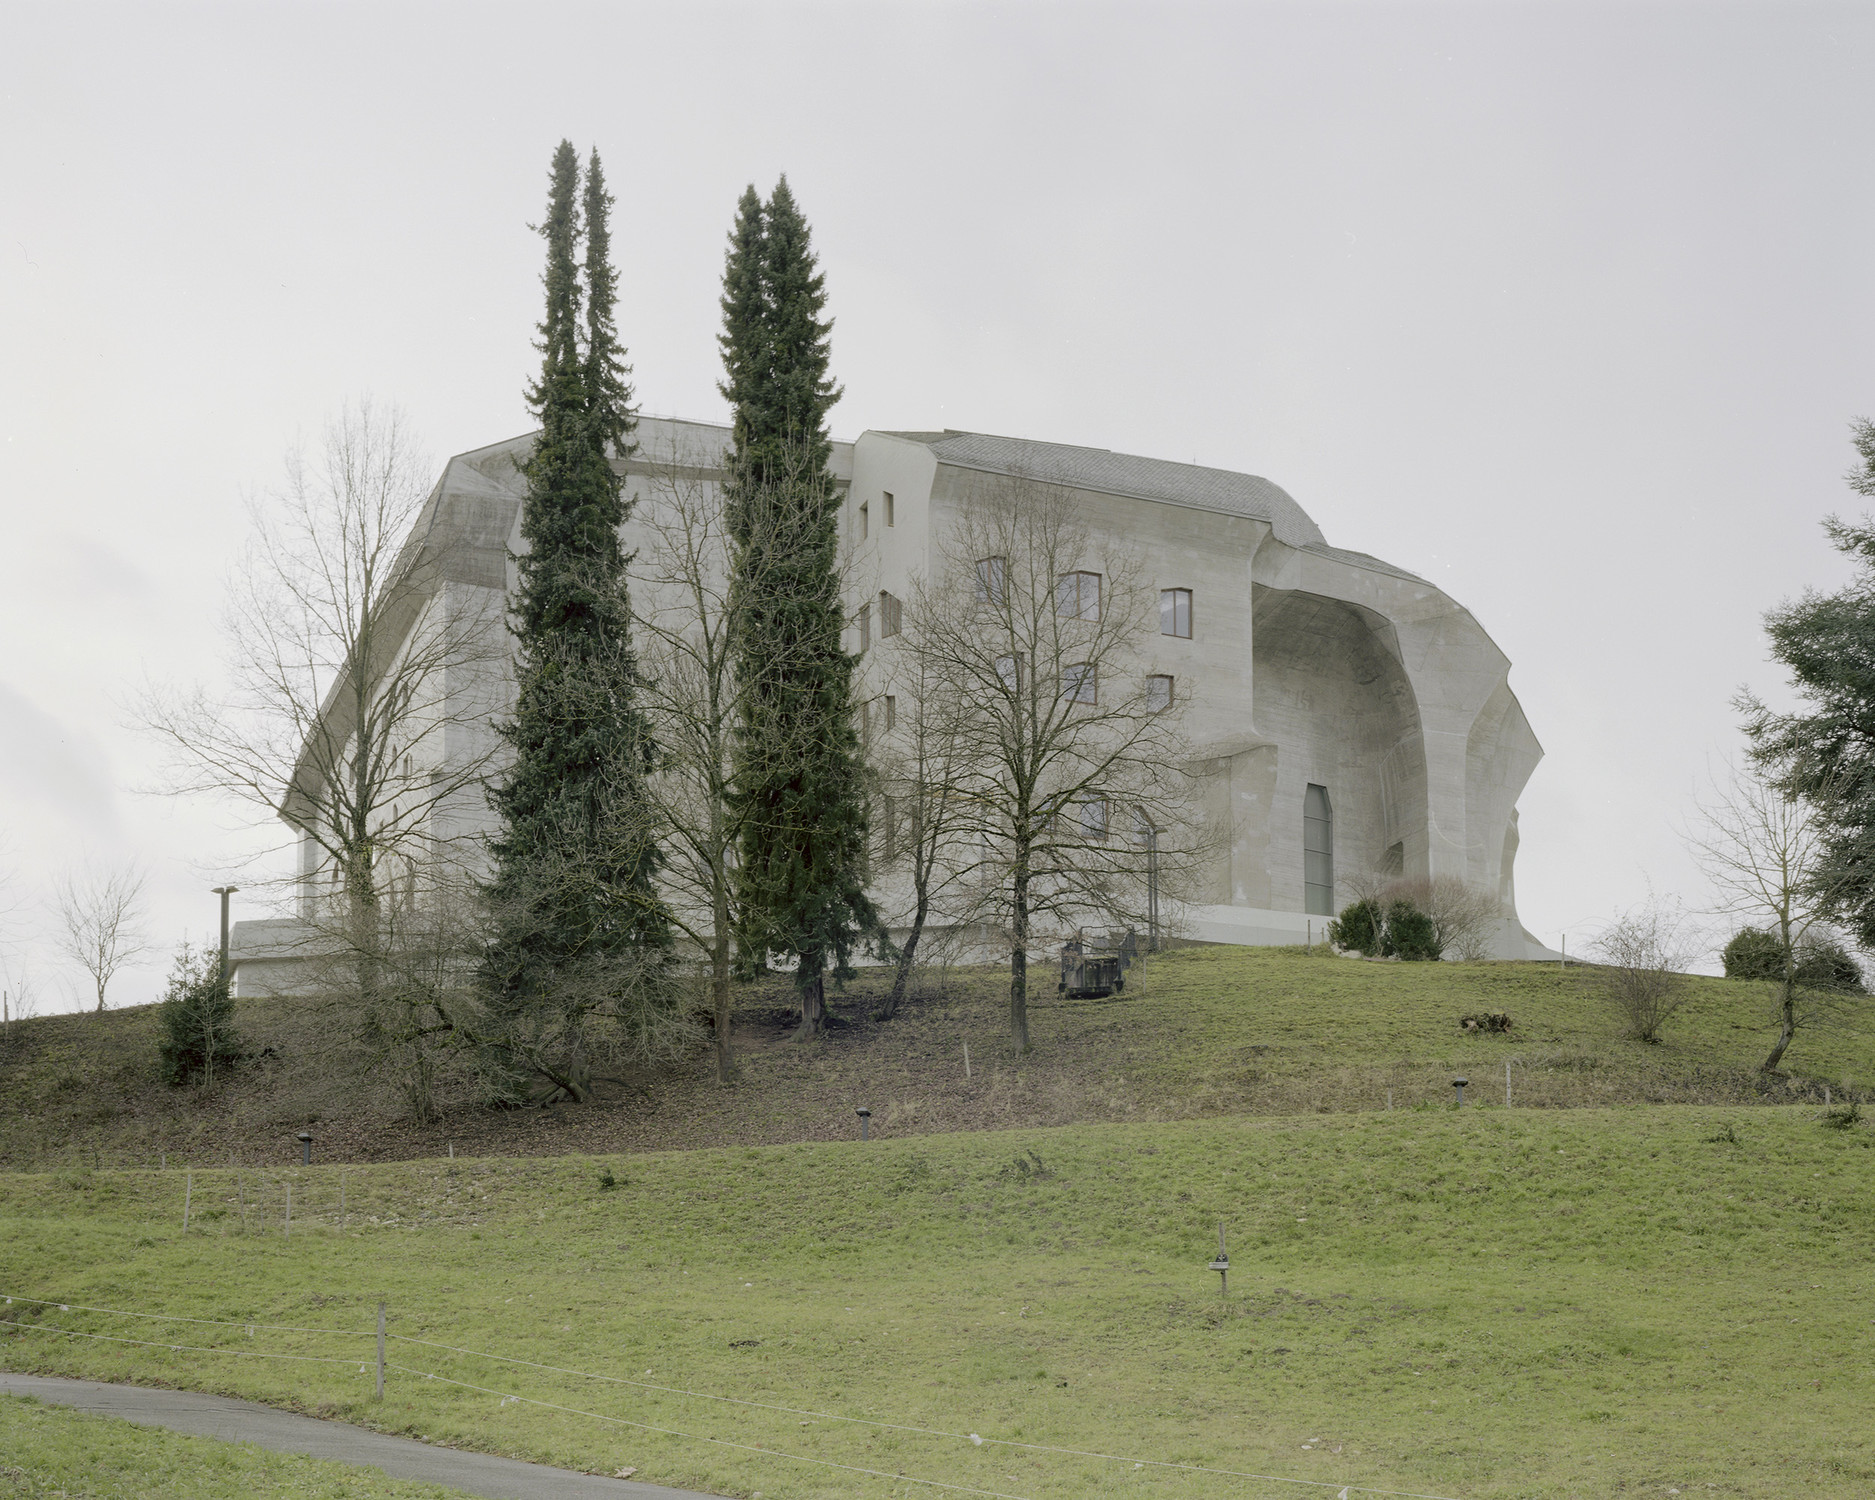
<point>286,1432</point>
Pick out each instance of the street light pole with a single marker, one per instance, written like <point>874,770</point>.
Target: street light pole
<point>224,891</point>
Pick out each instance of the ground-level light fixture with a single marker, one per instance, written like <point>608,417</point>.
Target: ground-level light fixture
<point>865,1122</point>
<point>1459,1085</point>
<point>305,1148</point>
<point>1222,1264</point>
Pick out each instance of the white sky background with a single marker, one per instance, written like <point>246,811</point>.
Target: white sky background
<point>1567,308</point>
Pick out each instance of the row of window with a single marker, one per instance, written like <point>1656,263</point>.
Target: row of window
<point>1077,597</point>
<point>891,619</point>
<point>865,514</point>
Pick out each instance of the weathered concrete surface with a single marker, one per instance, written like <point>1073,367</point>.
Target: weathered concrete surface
<point>235,1421</point>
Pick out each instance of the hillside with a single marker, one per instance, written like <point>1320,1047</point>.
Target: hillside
<point>1492,1304</point>
<point>1204,1032</point>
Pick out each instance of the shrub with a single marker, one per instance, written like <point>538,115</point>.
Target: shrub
<point>1492,1021</point>
<point>1823,963</point>
<point>197,1038</point>
<point>1646,951</point>
<point>1410,934</point>
<point>1842,1116</point>
<point>1358,928</point>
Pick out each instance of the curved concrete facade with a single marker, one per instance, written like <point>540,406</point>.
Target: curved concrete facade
<point>1308,665</point>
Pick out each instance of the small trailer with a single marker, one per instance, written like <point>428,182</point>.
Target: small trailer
<point>1093,968</point>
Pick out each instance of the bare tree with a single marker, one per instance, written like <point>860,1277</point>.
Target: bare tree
<point>687,625</point>
<point>921,765</point>
<point>100,921</point>
<point>1065,755</point>
<point>346,623</point>
<point>1646,950</point>
<point>1765,856</point>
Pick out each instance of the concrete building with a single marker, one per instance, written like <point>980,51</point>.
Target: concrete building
<point>1351,718</point>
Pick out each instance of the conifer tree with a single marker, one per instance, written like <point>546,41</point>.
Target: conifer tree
<point>799,773</point>
<point>580,931</point>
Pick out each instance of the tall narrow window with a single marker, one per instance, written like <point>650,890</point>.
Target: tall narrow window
<point>891,712</point>
<point>891,828</point>
<point>1158,693</point>
<point>865,521</point>
<point>990,574</point>
<point>1094,820</point>
<point>889,508</point>
<point>1080,683</point>
<point>891,615</point>
<point>1175,613</point>
<point>1009,671</point>
<point>1077,595</point>
<point>1318,852</point>
<point>865,626</point>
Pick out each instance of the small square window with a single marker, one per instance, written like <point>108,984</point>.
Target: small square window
<point>1158,693</point>
<point>990,574</point>
<point>1175,613</point>
<point>889,508</point>
<point>1077,595</point>
<point>1080,683</point>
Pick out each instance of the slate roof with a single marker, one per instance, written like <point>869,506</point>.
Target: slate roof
<point>1106,472</point>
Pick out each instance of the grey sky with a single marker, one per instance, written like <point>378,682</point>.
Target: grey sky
<point>1566,307</point>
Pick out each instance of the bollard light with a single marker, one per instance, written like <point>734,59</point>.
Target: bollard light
<point>1459,1084</point>
<point>305,1148</point>
<point>865,1122</point>
<point>1222,1264</point>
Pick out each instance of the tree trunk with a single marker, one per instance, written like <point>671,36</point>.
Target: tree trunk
<point>813,1009</point>
<point>901,981</point>
<point>1019,957</point>
<point>719,987</point>
<point>1788,1014</point>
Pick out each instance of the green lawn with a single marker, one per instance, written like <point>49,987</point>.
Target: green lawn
<point>47,1453</point>
<point>1491,1303</point>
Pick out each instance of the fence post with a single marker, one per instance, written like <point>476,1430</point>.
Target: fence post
<point>188,1187</point>
<point>1507,1083</point>
<point>380,1351</point>
<point>286,1224</point>
<point>342,1198</point>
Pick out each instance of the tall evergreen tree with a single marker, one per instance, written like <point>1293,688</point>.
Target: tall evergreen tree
<point>580,931</point>
<point>799,774</point>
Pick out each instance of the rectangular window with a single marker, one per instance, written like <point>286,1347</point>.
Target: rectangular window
<point>865,626</point>
<point>1158,693</point>
<point>891,712</point>
<point>1080,683</point>
<point>865,520</point>
<point>1094,820</point>
<point>1318,852</point>
<point>990,573</point>
<point>1009,671</point>
<point>891,828</point>
<point>1175,613</point>
<point>889,508</point>
<point>891,615</point>
<point>1077,595</point>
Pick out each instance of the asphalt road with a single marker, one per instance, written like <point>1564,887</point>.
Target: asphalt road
<point>287,1432</point>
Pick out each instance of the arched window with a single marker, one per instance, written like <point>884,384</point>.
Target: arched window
<point>1318,852</point>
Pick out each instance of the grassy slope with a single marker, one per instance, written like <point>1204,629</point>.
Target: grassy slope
<point>47,1452</point>
<point>1491,1303</point>
<point>1216,1031</point>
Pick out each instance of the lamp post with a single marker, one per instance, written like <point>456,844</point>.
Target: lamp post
<point>1152,888</point>
<point>1458,1084</point>
<point>865,1122</point>
<point>224,891</point>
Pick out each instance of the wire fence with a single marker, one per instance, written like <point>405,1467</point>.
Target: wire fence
<point>377,1361</point>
